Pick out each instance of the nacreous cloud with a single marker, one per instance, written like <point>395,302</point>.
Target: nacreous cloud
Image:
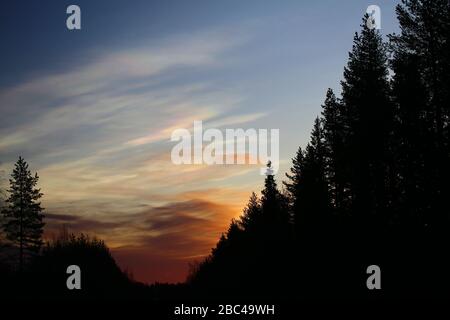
<point>98,134</point>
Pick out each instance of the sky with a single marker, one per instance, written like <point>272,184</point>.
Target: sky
<point>92,110</point>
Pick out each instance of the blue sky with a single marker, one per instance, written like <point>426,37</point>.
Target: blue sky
<point>92,110</point>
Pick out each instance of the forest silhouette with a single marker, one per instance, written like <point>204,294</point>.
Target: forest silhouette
<point>370,188</point>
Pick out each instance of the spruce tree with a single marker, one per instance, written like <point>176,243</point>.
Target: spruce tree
<point>308,187</point>
<point>425,34</point>
<point>413,171</point>
<point>251,217</point>
<point>333,134</point>
<point>421,62</point>
<point>367,120</point>
<point>315,171</point>
<point>294,186</point>
<point>23,212</point>
<point>274,206</point>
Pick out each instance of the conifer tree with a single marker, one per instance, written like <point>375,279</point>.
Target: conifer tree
<point>333,134</point>
<point>315,170</point>
<point>367,120</point>
<point>411,140</point>
<point>425,33</point>
<point>251,217</point>
<point>421,62</point>
<point>274,207</point>
<point>294,187</point>
<point>23,212</point>
<point>307,185</point>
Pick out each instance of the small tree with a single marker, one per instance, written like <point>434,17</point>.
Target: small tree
<point>23,216</point>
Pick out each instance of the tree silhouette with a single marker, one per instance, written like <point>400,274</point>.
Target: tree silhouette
<point>307,186</point>
<point>335,168</point>
<point>294,186</point>
<point>251,217</point>
<point>101,276</point>
<point>367,119</point>
<point>253,248</point>
<point>274,208</point>
<point>421,63</point>
<point>23,214</point>
<point>370,182</point>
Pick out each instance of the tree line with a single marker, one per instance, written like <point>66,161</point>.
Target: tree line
<point>369,187</point>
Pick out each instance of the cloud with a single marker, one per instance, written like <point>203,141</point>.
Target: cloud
<point>61,217</point>
<point>114,83</point>
<point>163,238</point>
<point>78,224</point>
<point>186,231</point>
<point>100,132</point>
<point>179,217</point>
<point>98,135</point>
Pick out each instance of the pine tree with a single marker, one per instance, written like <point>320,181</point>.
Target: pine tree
<point>294,187</point>
<point>411,140</point>
<point>367,119</point>
<point>315,170</point>
<point>274,206</point>
<point>422,90</point>
<point>23,214</point>
<point>251,217</point>
<point>314,200</point>
<point>333,134</point>
<point>425,33</point>
<point>307,185</point>
<point>270,194</point>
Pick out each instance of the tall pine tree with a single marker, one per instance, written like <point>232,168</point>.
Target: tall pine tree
<point>307,185</point>
<point>333,134</point>
<point>367,119</point>
<point>23,212</point>
<point>421,62</point>
<point>274,209</point>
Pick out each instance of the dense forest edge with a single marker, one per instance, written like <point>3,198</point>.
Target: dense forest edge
<point>370,188</point>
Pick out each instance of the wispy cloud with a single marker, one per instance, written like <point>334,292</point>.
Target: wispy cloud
<point>99,136</point>
<point>177,232</point>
